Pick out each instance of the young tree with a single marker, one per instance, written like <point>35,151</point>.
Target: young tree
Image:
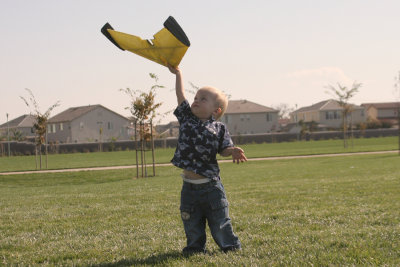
<point>142,105</point>
<point>343,95</point>
<point>40,124</point>
<point>144,109</point>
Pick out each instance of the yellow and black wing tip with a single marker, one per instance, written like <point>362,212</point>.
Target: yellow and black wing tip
<point>173,27</point>
<point>105,29</point>
<point>170,24</point>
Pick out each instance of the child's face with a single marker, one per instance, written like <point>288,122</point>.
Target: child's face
<point>204,104</point>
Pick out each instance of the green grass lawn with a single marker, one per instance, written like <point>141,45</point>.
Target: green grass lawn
<point>80,160</point>
<point>320,211</point>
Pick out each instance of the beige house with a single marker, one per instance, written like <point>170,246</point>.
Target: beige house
<point>328,114</point>
<point>23,124</point>
<point>246,117</point>
<point>170,129</point>
<point>382,111</point>
<point>87,124</point>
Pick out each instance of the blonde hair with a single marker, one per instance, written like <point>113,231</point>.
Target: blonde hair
<point>221,100</point>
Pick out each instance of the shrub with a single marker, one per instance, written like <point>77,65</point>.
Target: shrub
<point>387,124</point>
<point>374,124</point>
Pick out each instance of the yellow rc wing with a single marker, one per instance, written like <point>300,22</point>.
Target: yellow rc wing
<point>168,46</point>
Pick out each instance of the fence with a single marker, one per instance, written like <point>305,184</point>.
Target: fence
<point>26,148</point>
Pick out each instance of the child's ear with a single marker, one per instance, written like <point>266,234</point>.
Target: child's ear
<point>217,112</point>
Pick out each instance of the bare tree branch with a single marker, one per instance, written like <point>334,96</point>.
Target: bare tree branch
<point>343,95</point>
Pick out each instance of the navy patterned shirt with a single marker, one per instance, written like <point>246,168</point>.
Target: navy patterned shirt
<point>199,142</point>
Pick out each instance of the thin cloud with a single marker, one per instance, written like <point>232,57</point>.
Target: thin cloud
<point>320,76</point>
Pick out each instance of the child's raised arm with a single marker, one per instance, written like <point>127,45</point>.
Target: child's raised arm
<point>180,93</point>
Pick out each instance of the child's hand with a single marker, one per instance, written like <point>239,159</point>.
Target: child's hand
<point>174,70</point>
<point>238,155</point>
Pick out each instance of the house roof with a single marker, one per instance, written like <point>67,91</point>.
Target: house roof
<point>245,106</point>
<point>25,120</point>
<point>163,127</point>
<point>76,112</point>
<point>382,105</point>
<point>329,104</point>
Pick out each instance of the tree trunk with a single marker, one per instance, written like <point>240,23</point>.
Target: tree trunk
<point>351,130</point>
<point>40,156</point>
<point>141,146</point>
<point>344,121</point>
<point>36,156</point>
<point>136,149</point>
<point>45,151</point>
<point>152,148</point>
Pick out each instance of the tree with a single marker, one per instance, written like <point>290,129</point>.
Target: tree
<point>397,88</point>
<point>40,124</point>
<point>143,109</point>
<point>142,105</point>
<point>343,95</point>
<point>303,129</point>
<point>17,135</point>
<point>284,110</point>
<point>196,88</point>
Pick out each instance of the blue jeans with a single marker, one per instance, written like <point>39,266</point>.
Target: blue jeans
<point>206,202</point>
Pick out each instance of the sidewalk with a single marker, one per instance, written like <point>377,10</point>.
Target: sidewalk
<point>219,161</point>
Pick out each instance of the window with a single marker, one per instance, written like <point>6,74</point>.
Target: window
<point>268,117</point>
<point>244,117</point>
<point>109,125</point>
<point>48,128</point>
<point>328,115</point>
<point>81,125</point>
<point>332,115</point>
<point>61,127</point>
<point>53,126</point>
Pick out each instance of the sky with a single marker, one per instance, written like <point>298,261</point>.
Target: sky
<point>268,52</point>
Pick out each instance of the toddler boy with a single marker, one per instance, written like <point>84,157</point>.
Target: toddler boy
<point>203,196</point>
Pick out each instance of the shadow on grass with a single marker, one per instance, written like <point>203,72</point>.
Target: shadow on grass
<point>152,260</point>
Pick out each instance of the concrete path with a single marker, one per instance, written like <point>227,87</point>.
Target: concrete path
<point>220,161</point>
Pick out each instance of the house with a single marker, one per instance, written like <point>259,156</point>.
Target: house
<point>170,129</point>
<point>93,123</point>
<point>22,124</point>
<point>246,117</point>
<point>328,114</point>
<point>388,111</point>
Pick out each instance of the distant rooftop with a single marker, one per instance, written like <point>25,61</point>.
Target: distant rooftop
<point>382,105</point>
<point>245,106</point>
<point>329,104</point>
<point>26,120</point>
<point>72,113</point>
